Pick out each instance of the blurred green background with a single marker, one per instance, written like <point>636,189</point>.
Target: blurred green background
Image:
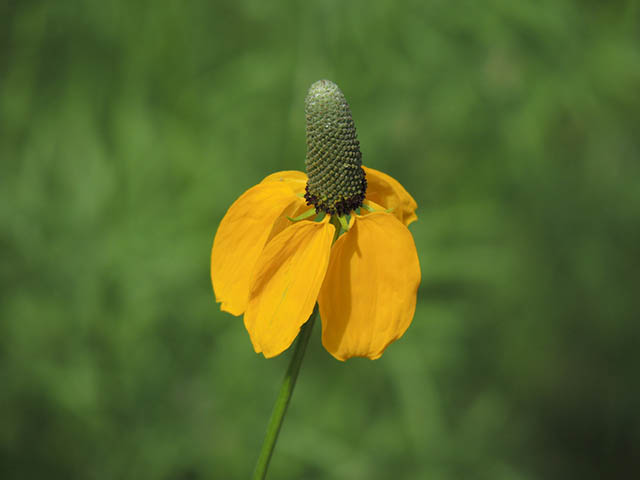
<point>128,128</point>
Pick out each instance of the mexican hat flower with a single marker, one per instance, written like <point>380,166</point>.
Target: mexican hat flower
<point>336,235</point>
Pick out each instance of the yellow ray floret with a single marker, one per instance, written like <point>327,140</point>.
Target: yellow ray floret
<point>369,293</point>
<point>286,282</point>
<point>388,192</point>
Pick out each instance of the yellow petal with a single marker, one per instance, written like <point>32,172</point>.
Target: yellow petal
<point>296,180</point>
<point>388,192</point>
<point>287,279</point>
<point>368,297</point>
<point>253,218</point>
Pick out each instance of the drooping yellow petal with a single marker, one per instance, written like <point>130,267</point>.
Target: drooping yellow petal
<point>253,218</point>
<point>368,297</point>
<point>388,192</point>
<point>296,180</point>
<point>285,285</point>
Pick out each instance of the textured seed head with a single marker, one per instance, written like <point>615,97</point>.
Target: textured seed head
<point>337,184</point>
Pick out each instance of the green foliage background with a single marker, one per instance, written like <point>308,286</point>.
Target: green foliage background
<point>128,128</point>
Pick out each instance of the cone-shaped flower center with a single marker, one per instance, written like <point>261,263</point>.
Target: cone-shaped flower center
<point>337,183</point>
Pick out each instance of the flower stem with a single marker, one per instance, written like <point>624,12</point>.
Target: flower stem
<point>284,396</point>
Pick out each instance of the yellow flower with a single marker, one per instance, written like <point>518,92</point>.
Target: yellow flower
<point>273,269</point>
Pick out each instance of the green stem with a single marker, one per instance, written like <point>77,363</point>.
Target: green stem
<point>282,402</point>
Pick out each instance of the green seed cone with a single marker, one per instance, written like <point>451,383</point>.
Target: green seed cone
<point>337,183</point>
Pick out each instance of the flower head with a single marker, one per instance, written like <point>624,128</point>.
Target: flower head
<point>357,258</point>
